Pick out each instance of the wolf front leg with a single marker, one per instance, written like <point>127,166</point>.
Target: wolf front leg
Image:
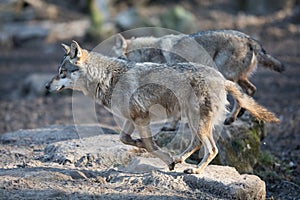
<point>125,136</point>
<point>151,147</point>
<point>247,86</point>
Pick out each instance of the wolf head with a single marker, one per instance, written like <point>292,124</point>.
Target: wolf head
<point>70,71</point>
<point>120,46</point>
<point>140,49</point>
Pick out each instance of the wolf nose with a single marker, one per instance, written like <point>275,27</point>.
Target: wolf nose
<point>47,86</point>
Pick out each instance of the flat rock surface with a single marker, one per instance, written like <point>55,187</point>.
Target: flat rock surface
<point>54,163</point>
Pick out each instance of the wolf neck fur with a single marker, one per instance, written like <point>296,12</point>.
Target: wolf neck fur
<point>102,77</point>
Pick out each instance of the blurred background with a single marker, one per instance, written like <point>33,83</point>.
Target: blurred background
<point>31,32</point>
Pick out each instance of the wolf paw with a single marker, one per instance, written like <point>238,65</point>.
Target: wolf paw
<point>172,166</point>
<point>178,159</point>
<point>242,111</point>
<point>165,128</point>
<point>189,171</point>
<point>229,121</point>
<point>139,143</point>
<point>193,171</point>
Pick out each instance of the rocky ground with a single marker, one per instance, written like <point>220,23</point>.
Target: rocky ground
<point>54,163</point>
<point>279,33</point>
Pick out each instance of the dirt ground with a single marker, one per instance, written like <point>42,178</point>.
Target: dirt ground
<point>278,92</point>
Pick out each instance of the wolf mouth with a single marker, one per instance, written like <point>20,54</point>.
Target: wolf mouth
<point>59,88</point>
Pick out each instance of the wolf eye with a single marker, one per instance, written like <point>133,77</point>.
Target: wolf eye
<point>63,73</point>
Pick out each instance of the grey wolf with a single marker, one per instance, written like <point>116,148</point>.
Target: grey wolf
<point>139,86</point>
<point>234,53</point>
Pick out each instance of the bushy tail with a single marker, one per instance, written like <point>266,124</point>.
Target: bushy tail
<point>249,104</point>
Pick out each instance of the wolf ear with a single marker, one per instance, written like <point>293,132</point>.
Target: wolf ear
<point>121,43</point>
<point>75,51</point>
<point>66,48</point>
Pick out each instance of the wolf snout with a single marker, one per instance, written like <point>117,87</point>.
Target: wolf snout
<point>47,86</point>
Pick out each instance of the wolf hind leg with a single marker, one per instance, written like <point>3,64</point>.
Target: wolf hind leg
<point>125,136</point>
<point>194,146</point>
<point>210,148</point>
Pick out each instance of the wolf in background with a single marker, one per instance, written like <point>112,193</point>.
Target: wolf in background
<point>234,53</point>
<point>139,86</point>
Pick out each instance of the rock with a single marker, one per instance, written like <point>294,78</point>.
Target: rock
<point>239,144</point>
<point>86,152</point>
<point>58,183</point>
<point>108,169</point>
<point>52,134</point>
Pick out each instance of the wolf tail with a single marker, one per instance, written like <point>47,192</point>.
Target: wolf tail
<point>264,58</point>
<point>249,104</point>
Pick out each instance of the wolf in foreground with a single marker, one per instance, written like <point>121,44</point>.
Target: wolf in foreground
<point>234,53</point>
<point>139,86</point>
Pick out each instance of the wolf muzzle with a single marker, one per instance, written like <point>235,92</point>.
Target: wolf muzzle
<point>48,85</point>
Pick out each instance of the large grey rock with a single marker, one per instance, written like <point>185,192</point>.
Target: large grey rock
<point>54,162</point>
<point>102,151</point>
<point>239,144</point>
<point>221,181</point>
<point>52,134</point>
